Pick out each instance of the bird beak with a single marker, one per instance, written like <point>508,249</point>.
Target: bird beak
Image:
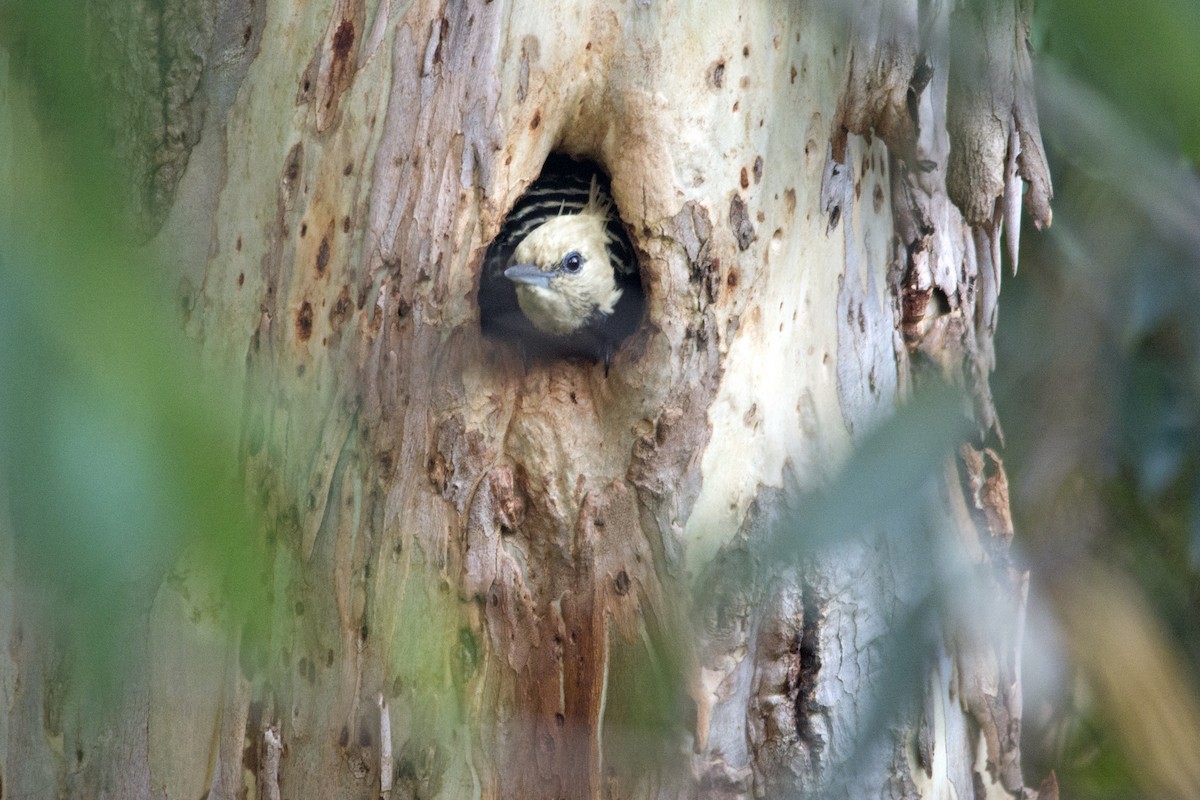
<point>530,274</point>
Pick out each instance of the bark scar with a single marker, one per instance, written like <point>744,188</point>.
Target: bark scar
<point>802,678</point>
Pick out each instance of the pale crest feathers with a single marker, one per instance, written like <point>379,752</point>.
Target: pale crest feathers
<point>571,299</point>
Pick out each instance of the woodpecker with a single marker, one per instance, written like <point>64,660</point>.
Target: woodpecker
<point>561,279</point>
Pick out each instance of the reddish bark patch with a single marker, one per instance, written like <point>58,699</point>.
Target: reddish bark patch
<point>322,256</point>
<point>341,310</point>
<point>621,583</point>
<point>343,40</point>
<point>304,322</point>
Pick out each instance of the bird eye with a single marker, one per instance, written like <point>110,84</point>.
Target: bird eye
<point>572,262</point>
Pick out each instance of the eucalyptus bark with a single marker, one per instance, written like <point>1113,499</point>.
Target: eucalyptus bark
<point>506,580</point>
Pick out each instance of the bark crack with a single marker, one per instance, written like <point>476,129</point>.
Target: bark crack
<point>802,679</point>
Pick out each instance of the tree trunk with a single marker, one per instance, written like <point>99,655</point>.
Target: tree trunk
<point>495,579</point>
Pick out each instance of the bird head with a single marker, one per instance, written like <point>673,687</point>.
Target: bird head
<point>563,271</point>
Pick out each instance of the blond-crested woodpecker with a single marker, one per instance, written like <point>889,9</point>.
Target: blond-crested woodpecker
<point>561,279</point>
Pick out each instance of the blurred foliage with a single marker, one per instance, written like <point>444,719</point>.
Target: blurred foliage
<point>1143,57</point>
<point>1098,383</point>
<point>117,451</point>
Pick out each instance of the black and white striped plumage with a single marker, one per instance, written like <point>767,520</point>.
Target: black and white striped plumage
<point>561,278</point>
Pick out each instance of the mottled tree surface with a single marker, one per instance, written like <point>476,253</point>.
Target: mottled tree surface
<point>547,581</point>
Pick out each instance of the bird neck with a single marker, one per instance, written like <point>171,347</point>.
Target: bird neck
<point>560,311</point>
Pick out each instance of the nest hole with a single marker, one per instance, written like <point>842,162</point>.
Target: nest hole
<point>561,279</point>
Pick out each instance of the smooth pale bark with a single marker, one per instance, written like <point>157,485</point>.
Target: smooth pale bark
<point>502,559</point>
